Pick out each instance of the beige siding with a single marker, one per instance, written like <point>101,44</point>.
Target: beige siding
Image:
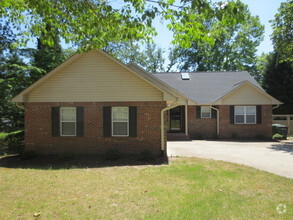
<point>94,77</point>
<point>246,94</point>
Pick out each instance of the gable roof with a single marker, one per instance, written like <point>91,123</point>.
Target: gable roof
<point>208,87</point>
<point>21,97</point>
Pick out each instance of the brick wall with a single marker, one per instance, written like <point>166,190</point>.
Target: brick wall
<point>207,127</point>
<point>228,130</point>
<point>38,135</point>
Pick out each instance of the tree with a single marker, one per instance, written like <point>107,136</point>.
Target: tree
<point>149,57</point>
<point>94,23</point>
<point>282,31</point>
<point>234,47</point>
<point>278,82</point>
<point>48,56</point>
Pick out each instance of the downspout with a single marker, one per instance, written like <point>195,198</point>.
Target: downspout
<point>218,120</point>
<point>172,105</point>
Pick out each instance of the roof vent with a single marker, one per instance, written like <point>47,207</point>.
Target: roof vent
<point>185,76</point>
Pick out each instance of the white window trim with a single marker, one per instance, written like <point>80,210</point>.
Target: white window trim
<point>67,121</point>
<point>112,121</point>
<point>210,111</point>
<point>245,115</point>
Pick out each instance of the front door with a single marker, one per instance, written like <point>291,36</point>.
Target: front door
<point>175,119</point>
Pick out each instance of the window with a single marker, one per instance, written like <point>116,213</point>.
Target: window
<point>245,114</point>
<point>120,121</point>
<point>68,121</point>
<point>205,112</point>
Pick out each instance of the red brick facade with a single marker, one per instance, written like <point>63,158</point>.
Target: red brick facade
<point>228,130</point>
<point>38,131</point>
<point>207,127</point>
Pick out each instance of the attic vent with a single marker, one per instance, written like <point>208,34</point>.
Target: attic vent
<point>185,76</point>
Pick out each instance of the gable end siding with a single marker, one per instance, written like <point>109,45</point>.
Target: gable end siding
<point>94,77</point>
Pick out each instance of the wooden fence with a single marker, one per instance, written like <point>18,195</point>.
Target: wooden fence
<point>286,120</point>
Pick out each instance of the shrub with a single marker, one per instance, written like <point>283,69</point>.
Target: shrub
<point>234,135</point>
<point>66,156</point>
<point>11,142</point>
<point>260,137</point>
<point>215,136</point>
<point>28,155</point>
<point>278,137</point>
<point>146,155</point>
<point>198,136</point>
<point>113,154</point>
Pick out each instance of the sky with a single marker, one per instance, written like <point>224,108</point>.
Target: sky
<point>265,9</point>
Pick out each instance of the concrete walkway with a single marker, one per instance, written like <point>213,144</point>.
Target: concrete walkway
<point>274,157</point>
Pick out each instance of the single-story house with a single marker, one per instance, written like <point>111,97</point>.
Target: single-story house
<point>92,103</point>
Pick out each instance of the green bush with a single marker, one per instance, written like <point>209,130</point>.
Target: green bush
<point>66,156</point>
<point>234,135</point>
<point>113,154</point>
<point>278,137</point>
<point>146,155</point>
<point>198,136</point>
<point>11,142</point>
<point>28,155</point>
<point>260,137</point>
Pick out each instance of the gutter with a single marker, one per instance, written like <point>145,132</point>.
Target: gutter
<point>218,120</point>
<point>19,106</point>
<point>172,105</point>
<point>277,106</point>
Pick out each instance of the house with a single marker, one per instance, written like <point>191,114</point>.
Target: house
<point>92,103</point>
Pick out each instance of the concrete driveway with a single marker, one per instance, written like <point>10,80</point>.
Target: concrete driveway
<point>273,157</point>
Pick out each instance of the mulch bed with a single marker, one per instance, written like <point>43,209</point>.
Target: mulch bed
<point>78,161</point>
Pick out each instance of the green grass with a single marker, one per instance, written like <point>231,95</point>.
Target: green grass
<point>185,189</point>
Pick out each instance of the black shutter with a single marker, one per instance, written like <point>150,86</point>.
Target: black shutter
<point>107,121</point>
<point>55,120</point>
<point>258,114</point>
<point>214,113</point>
<point>79,121</point>
<point>198,111</point>
<point>231,114</point>
<point>132,121</point>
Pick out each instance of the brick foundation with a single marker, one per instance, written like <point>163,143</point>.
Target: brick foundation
<point>38,136</point>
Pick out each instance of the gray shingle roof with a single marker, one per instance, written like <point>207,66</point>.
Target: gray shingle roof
<point>206,87</point>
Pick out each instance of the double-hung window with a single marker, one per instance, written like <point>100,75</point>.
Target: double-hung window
<point>245,115</point>
<point>68,121</point>
<point>205,112</point>
<point>120,121</point>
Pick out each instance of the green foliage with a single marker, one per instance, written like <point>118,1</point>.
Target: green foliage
<point>278,136</point>
<point>66,156</point>
<point>278,82</point>
<point>146,155</point>
<point>234,46</point>
<point>150,58</point>
<point>11,142</point>
<point>198,136</point>
<point>282,31</point>
<point>113,154</point>
<point>93,23</point>
<point>28,155</point>
<point>234,136</point>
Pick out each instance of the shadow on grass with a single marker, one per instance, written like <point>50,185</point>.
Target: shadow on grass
<point>79,161</point>
<point>285,147</point>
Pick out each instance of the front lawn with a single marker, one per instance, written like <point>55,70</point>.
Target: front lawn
<point>188,188</point>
